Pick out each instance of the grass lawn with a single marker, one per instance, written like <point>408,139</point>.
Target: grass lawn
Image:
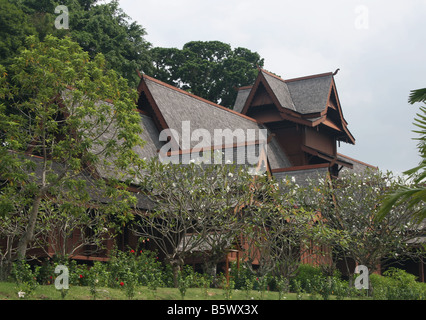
<point>9,291</point>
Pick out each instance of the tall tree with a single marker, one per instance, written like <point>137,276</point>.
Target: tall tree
<point>209,69</point>
<point>76,124</point>
<point>98,28</point>
<point>105,28</point>
<point>14,28</point>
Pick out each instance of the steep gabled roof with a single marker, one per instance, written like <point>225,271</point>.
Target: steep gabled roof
<point>174,106</point>
<point>310,94</point>
<point>242,96</point>
<point>280,89</point>
<point>177,106</point>
<point>304,100</point>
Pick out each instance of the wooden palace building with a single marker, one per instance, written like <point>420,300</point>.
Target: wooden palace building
<point>303,119</point>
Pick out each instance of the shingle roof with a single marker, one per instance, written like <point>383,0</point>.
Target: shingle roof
<point>358,166</point>
<point>301,176</point>
<point>304,95</point>
<point>177,106</point>
<point>96,194</point>
<point>281,91</point>
<point>310,95</point>
<point>242,96</point>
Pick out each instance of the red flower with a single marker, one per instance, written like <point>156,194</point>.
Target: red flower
<point>121,283</point>
<point>132,251</point>
<point>81,276</point>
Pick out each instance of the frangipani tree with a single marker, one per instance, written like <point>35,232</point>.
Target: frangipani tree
<point>280,233</point>
<point>351,203</point>
<point>196,210</point>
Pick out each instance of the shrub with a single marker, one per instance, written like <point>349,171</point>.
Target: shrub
<point>79,273</point>
<point>185,281</point>
<point>240,276</point>
<point>25,277</point>
<point>397,284</point>
<point>306,275</point>
<point>45,273</point>
<point>144,265</point>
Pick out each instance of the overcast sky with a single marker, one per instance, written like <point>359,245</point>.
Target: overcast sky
<point>379,46</point>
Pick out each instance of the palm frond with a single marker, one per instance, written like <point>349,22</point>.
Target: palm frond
<point>418,95</point>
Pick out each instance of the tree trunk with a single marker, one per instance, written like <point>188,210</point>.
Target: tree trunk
<point>6,260</point>
<point>28,235</point>
<point>5,269</point>
<point>176,267</point>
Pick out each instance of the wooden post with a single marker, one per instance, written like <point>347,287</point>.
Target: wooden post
<point>238,260</point>
<point>227,268</point>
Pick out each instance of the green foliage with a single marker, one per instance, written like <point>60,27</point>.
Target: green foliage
<point>24,277</point>
<point>209,69</point>
<point>305,274</point>
<point>124,272</point>
<point>186,279</point>
<point>57,110</point>
<point>196,204</point>
<point>241,275</point>
<point>248,286</point>
<point>350,205</point>
<point>15,27</point>
<point>310,279</point>
<point>144,266</point>
<point>227,286</point>
<point>105,28</point>
<point>96,27</point>
<point>282,285</point>
<point>413,195</point>
<point>397,284</point>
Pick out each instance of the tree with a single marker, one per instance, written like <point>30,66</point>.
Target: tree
<point>15,27</point>
<point>209,69</point>
<point>413,196</point>
<point>350,205</point>
<point>72,136</point>
<point>105,28</point>
<point>195,211</point>
<point>66,229</point>
<point>98,28</point>
<point>279,232</point>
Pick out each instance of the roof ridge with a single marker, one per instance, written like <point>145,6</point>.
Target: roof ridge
<point>245,87</point>
<point>288,90</point>
<point>198,98</point>
<point>356,160</point>
<point>273,75</point>
<point>319,75</point>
